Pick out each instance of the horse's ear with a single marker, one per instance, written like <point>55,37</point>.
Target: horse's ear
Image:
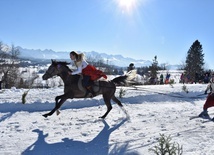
<point>53,61</point>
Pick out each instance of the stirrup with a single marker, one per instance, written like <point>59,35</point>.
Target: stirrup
<point>89,94</point>
<point>90,91</point>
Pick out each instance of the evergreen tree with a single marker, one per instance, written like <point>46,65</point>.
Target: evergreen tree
<point>154,68</point>
<point>194,61</point>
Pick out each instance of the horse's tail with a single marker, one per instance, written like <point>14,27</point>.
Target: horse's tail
<point>122,80</point>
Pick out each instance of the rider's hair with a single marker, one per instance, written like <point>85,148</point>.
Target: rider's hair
<point>79,57</point>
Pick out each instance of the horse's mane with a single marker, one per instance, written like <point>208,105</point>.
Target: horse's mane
<point>62,63</point>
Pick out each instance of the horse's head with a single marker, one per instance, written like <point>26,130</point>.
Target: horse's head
<point>54,69</point>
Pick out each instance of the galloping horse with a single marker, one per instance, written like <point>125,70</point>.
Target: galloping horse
<point>73,87</point>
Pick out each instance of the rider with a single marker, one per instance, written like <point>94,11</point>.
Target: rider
<point>210,98</point>
<point>89,72</point>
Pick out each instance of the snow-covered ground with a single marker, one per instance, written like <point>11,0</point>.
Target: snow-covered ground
<point>153,110</point>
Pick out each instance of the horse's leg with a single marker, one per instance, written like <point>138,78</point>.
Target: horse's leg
<point>56,102</point>
<point>120,105</point>
<point>57,105</point>
<point>57,98</point>
<point>108,104</point>
<point>117,101</point>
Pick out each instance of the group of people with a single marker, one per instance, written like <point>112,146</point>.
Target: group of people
<point>204,78</point>
<point>166,80</point>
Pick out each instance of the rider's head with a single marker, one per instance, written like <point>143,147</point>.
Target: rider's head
<point>73,55</point>
<point>76,57</point>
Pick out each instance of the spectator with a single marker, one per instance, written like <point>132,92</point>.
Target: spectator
<point>206,78</point>
<point>210,98</point>
<point>161,79</point>
<point>131,67</point>
<point>167,78</point>
<point>182,78</point>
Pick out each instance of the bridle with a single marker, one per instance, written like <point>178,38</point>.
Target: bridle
<point>52,71</point>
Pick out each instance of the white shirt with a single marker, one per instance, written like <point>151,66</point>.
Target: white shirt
<point>80,67</point>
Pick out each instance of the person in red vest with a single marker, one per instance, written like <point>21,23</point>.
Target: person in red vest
<point>89,72</point>
<point>210,98</point>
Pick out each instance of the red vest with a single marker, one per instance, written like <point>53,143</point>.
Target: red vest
<point>93,73</point>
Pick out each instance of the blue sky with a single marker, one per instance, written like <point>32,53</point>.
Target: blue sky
<point>138,29</point>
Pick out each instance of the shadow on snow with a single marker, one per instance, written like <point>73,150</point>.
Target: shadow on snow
<point>97,146</point>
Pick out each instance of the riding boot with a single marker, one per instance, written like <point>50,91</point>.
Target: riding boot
<point>90,91</point>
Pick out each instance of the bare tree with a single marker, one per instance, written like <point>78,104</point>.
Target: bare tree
<point>9,65</point>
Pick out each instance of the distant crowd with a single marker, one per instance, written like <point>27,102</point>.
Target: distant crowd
<point>204,78</point>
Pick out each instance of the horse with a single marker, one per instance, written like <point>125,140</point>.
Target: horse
<point>73,87</point>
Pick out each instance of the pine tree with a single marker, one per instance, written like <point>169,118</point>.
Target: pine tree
<point>194,61</point>
<point>154,68</point>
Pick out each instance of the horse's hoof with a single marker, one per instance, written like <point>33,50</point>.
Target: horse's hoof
<point>102,117</point>
<point>57,112</point>
<point>45,115</point>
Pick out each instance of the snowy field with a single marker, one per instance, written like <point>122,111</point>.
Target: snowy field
<point>153,110</point>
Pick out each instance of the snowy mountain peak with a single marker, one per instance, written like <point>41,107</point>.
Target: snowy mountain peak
<point>117,60</point>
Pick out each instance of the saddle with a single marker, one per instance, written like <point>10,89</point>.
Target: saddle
<point>95,86</point>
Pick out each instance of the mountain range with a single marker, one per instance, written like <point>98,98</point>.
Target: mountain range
<point>116,60</point>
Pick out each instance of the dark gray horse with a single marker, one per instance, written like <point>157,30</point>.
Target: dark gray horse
<point>73,87</point>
